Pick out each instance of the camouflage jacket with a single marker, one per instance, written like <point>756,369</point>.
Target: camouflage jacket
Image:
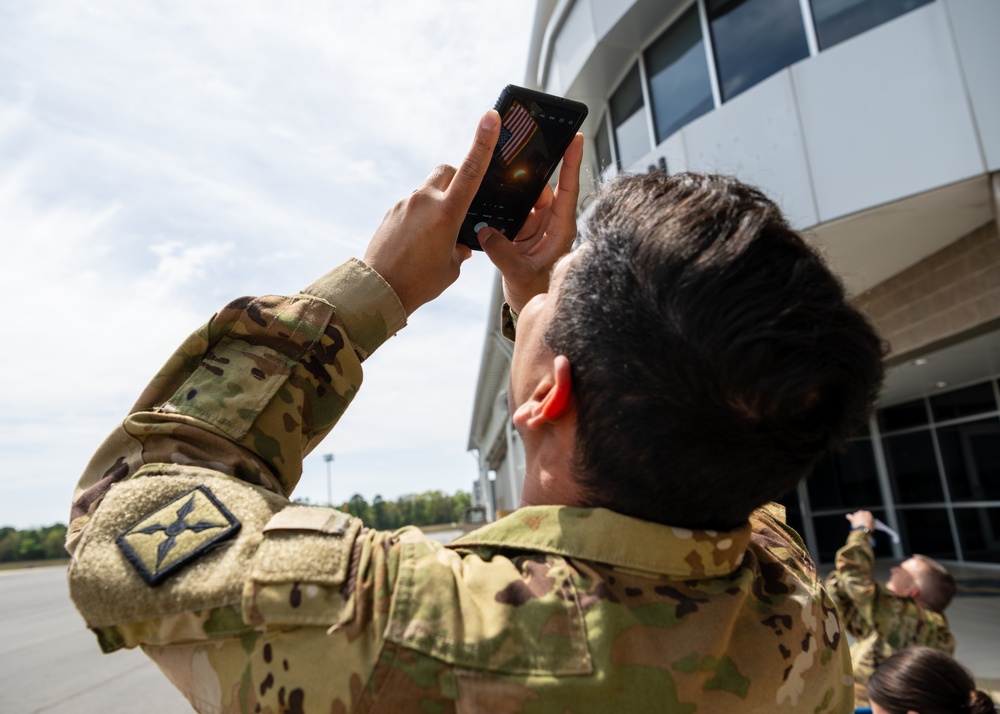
<point>882,621</point>
<point>184,542</point>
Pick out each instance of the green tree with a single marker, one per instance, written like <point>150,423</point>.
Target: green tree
<point>45,543</point>
<point>439,507</point>
<point>393,519</point>
<point>10,544</point>
<point>54,542</point>
<point>31,547</point>
<point>380,514</point>
<point>359,508</point>
<point>423,509</point>
<point>461,500</point>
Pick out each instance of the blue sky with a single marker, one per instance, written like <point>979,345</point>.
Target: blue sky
<point>158,159</point>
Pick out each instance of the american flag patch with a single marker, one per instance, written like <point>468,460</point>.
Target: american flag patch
<point>516,129</point>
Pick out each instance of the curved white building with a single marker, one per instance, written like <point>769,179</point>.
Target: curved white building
<point>876,125</point>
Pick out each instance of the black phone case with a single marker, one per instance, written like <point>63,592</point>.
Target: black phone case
<point>550,123</point>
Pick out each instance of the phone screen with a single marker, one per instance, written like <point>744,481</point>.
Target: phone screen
<point>536,129</point>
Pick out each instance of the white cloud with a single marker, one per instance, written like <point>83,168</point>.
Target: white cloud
<point>157,160</point>
<point>180,265</point>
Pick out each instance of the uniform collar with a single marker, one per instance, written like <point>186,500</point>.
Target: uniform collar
<point>603,536</point>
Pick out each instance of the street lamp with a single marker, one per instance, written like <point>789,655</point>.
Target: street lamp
<point>328,458</point>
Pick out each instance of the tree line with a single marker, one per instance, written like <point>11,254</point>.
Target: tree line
<point>32,544</point>
<point>424,509</point>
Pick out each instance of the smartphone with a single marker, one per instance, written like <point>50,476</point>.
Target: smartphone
<point>536,129</point>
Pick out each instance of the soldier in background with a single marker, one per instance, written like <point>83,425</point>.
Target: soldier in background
<point>683,368</point>
<point>908,610</point>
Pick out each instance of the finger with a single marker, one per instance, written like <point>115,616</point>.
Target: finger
<point>498,249</point>
<point>531,228</point>
<point>461,254</point>
<point>532,224</point>
<point>568,187</point>
<point>470,174</point>
<point>440,177</point>
<point>545,199</point>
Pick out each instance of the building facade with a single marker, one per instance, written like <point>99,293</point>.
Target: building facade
<point>875,124</point>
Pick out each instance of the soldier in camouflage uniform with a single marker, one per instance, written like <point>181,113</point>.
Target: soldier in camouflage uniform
<point>908,610</point>
<point>657,579</point>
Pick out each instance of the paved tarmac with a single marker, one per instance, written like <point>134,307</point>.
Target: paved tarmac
<point>50,663</point>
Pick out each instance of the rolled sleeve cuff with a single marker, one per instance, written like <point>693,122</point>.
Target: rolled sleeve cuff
<point>508,322</point>
<point>863,540</point>
<point>366,305</point>
<point>860,537</point>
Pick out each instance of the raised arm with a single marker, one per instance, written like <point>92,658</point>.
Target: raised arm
<point>257,387</point>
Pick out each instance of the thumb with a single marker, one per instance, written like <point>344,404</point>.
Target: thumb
<point>462,253</point>
<point>498,249</point>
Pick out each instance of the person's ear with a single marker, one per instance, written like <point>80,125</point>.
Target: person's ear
<point>552,398</point>
<point>916,582</point>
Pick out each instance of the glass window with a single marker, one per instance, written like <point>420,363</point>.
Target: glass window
<point>839,20</point>
<point>846,480</point>
<point>926,531</point>
<point>912,467</point>
<point>753,39</point>
<point>963,402</point>
<point>970,453</point>
<point>629,120</point>
<point>831,536</point>
<point>602,147</point>
<point>677,70</point>
<point>903,416</point>
<point>979,531</point>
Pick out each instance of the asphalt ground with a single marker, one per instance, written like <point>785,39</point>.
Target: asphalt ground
<point>50,662</point>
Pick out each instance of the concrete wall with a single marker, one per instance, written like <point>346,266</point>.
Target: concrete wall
<point>948,293</point>
<point>907,107</point>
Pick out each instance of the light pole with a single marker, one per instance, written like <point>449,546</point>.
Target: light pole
<point>328,458</point>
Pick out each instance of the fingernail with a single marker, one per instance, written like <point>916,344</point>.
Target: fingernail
<point>490,120</point>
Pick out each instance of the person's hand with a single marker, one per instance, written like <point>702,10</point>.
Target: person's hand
<point>415,249</point>
<point>547,235</point>
<point>862,519</point>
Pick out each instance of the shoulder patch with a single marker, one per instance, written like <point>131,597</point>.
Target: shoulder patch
<point>176,533</point>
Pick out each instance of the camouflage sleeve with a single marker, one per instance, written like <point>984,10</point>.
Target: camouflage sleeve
<point>866,606</point>
<point>307,635</point>
<point>852,586</point>
<point>252,391</point>
<point>508,322</point>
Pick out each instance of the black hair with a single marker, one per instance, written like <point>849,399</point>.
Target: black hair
<point>715,357</point>
<point>929,681</point>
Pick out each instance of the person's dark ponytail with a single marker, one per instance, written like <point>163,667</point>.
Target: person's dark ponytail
<point>929,681</point>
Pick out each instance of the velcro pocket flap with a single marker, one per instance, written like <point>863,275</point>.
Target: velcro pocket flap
<point>300,567</point>
<point>231,387</point>
<point>520,616</point>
